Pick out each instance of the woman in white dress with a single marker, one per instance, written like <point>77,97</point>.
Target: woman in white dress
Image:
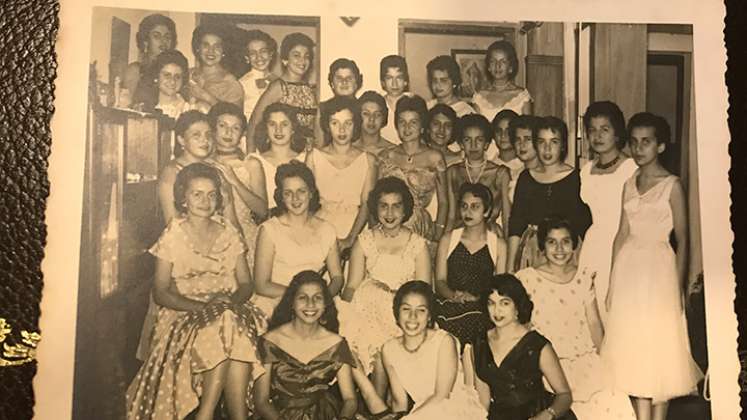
<point>502,65</point>
<point>565,312</point>
<point>444,80</point>
<point>171,70</point>
<point>602,181</point>
<point>395,81</point>
<point>383,258</point>
<point>345,174</point>
<point>278,142</point>
<point>261,54</point>
<point>294,239</point>
<point>423,364</point>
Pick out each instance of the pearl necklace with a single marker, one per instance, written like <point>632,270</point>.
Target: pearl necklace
<point>389,235</point>
<point>468,165</point>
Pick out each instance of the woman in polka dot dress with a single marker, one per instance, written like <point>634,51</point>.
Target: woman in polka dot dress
<point>204,339</point>
<point>565,311</point>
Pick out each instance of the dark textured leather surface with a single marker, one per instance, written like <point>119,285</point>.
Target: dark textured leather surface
<point>27,70</point>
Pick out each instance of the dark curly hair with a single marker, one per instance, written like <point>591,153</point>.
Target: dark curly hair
<point>375,97</point>
<point>390,185</point>
<point>283,312</point>
<point>480,191</point>
<point>148,23</point>
<point>187,119</point>
<point>508,49</point>
<point>335,105</point>
<point>509,286</point>
<point>345,63</point>
<point>446,111</point>
<point>189,173</point>
<point>226,108</point>
<point>171,57</point>
<point>292,40</point>
<point>411,103</point>
<point>449,65</point>
<point>257,35</point>
<point>295,169</point>
<point>397,62</point>
<point>262,140</point>
<point>199,33</point>
<point>474,120</point>
<point>660,125</point>
<point>612,112</point>
<point>417,287</point>
<point>556,126</point>
<point>551,223</point>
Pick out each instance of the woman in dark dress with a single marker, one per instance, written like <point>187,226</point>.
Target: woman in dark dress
<point>466,258</point>
<point>302,354</point>
<point>508,363</point>
<point>551,189</point>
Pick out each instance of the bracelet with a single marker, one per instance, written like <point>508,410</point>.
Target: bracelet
<point>552,412</point>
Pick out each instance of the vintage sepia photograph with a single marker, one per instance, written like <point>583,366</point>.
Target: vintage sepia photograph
<point>473,219</point>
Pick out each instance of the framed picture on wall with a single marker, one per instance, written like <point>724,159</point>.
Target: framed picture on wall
<point>472,66</point>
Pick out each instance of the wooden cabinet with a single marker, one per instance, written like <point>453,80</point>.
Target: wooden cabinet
<point>126,151</point>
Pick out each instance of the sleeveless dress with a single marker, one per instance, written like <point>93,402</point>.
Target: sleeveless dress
<point>466,272</point>
<point>516,388</point>
<point>646,345</point>
<point>534,202</point>
<point>603,194</point>
<point>367,321</point>
<point>301,391</point>
<point>422,183</point>
<point>339,190</point>
<point>487,109</point>
<point>461,108</point>
<point>292,257</point>
<point>188,343</point>
<point>560,316</point>
<point>302,98</point>
<point>270,170</point>
<point>417,373</point>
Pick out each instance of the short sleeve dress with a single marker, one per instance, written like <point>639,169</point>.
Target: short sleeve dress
<point>301,391</point>
<point>186,344</point>
<point>560,316</point>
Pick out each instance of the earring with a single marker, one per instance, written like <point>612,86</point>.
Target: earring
<point>322,321</point>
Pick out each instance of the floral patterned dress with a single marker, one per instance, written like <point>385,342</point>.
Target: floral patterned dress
<point>186,344</point>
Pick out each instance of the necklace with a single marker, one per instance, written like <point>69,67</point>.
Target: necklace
<point>467,167</point>
<point>609,164</point>
<point>415,350</point>
<point>410,157</point>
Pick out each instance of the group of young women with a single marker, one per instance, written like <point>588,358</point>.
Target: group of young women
<point>382,256</point>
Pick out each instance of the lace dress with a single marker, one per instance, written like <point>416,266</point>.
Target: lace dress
<point>368,322</point>
<point>560,316</point>
<point>466,272</point>
<point>422,183</point>
<point>646,345</point>
<point>186,344</point>
<point>417,373</point>
<point>339,190</point>
<point>302,391</point>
